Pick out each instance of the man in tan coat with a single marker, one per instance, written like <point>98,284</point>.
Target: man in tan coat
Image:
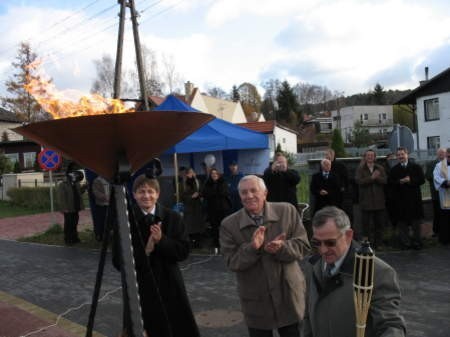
<point>263,243</point>
<point>371,179</point>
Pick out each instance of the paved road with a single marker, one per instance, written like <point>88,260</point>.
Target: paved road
<point>57,278</point>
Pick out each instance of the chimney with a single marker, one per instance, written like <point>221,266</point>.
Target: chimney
<point>426,77</point>
<point>188,89</point>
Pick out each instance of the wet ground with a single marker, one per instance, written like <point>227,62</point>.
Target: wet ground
<point>54,279</point>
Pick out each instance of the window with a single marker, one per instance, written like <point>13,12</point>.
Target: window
<point>284,140</point>
<point>431,109</point>
<point>13,157</point>
<point>29,158</point>
<point>384,116</point>
<point>433,143</point>
<point>366,117</point>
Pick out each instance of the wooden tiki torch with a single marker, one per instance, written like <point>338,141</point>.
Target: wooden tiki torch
<point>363,285</point>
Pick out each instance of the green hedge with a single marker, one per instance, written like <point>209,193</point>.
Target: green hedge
<point>30,197</point>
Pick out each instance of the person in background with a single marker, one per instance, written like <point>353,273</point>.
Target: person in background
<point>325,186</point>
<point>330,310</point>
<point>281,181</point>
<point>193,212</point>
<point>442,184</point>
<point>263,243</point>
<point>160,241</point>
<point>341,172</point>
<point>218,204</point>
<point>405,179</point>
<point>232,180</point>
<point>101,189</point>
<point>70,203</point>
<point>440,155</point>
<point>371,179</point>
<point>391,161</point>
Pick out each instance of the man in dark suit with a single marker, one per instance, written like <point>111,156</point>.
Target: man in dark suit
<point>281,181</point>
<point>341,172</point>
<point>325,187</point>
<point>405,179</point>
<point>330,308</point>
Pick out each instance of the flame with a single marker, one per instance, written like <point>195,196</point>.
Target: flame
<point>67,103</point>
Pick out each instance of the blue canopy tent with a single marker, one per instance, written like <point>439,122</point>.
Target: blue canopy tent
<point>217,135</point>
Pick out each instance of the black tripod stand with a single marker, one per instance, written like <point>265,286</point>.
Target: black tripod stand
<point>117,220</point>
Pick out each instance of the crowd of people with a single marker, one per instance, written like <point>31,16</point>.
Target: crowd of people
<point>256,224</point>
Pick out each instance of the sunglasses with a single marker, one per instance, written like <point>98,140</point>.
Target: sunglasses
<point>327,243</point>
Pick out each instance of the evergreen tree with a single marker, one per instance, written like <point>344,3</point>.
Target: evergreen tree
<point>378,95</point>
<point>360,135</point>
<point>288,107</point>
<point>21,103</point>
<point>235,94</point>
<point>17,168</point>
<point>5,164</point>
<point>337,144</point>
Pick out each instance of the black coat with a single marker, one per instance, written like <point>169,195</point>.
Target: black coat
<point>331,185</point>
<point>165,305</point>
<point>282,186</point>
<point>217,197</point>
<point>406,198</point>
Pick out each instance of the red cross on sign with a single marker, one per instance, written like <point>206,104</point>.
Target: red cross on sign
<point>49,160</point>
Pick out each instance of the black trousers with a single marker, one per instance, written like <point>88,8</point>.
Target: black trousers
<point>286,331</point>
<point>403,232</point>
<point>444,230</point>
<point>70,227</point>
<point>372,226</point>
<point>436,214</point>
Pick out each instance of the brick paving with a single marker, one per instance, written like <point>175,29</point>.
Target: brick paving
<point>28,225</point>
<point>19,318</point>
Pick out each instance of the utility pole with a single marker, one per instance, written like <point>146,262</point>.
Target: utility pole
<point>138,50</point>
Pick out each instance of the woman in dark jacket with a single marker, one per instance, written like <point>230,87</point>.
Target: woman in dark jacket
<point>218,202</point>
<point>193,212</point>
<point>160,241</point>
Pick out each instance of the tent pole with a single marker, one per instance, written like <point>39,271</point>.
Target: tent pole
<point>177,187</point>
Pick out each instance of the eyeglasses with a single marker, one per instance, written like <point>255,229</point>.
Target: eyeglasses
<point>327,243</point>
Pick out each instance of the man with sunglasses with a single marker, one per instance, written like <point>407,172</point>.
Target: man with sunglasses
<point>329,302</point>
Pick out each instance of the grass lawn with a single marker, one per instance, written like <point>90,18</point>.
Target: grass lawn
<point>55,236</point>
<point>9,210</point>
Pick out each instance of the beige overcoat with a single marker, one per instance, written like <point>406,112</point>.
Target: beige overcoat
<point>271,287</point>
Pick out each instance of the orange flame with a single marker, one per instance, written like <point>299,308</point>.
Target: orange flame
<point>67,103</point>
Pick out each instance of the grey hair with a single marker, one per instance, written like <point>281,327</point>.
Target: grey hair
<point>331,212</point>
<point>259,181</point>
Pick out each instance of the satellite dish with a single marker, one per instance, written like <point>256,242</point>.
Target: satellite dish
<point>401,136</point>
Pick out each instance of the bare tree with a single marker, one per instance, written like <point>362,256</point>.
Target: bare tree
<point>171,76</point>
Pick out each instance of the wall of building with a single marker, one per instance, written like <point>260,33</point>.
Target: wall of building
<point>7,126</point>
<point>440,127</point>
<point>286,139</point>
<point>377,118</point>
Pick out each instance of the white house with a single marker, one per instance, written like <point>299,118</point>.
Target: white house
<point>431,101</point>
<point>278,134</point>
<point>227,110</point>
<point>378,119</point>
<point>8,122</point>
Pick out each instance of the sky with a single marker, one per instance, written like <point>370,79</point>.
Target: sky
<point>345,45</point>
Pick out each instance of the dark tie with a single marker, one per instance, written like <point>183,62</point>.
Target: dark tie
<point>258,219</point>
<point>148,218</point>
<point>328,269</point>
